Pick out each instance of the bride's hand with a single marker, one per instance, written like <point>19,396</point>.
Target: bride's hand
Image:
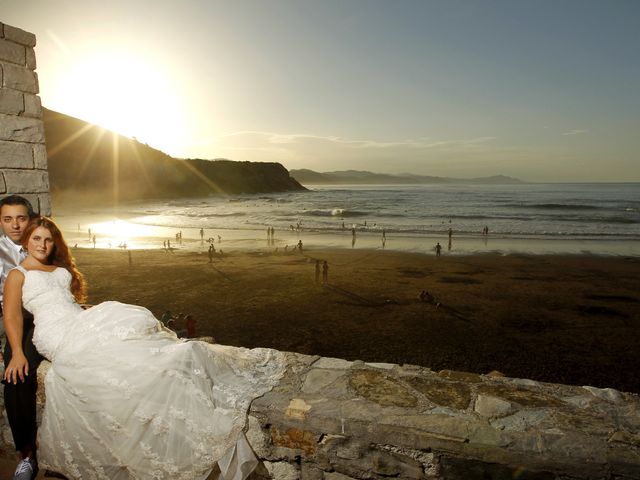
<point>18,368</point>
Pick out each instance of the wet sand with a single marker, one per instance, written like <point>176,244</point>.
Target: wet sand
<point>569,319</point>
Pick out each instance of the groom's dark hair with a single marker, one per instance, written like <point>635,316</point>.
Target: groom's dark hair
<point>18,200</point>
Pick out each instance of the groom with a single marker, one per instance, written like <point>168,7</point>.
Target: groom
<point>19,397</point>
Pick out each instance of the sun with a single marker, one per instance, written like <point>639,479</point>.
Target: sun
<point>125,93</point>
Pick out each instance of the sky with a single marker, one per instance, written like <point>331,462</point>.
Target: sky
<point>542,90</point>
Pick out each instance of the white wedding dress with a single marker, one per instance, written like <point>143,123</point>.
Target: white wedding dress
<point>126,399</point>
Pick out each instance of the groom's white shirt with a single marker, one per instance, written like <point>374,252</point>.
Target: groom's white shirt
<point>11,255</point>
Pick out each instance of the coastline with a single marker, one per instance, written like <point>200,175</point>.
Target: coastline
<point>556,318</point>
<point>112,231</point>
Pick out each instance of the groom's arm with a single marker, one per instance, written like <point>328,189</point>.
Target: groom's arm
<point>14,325</point>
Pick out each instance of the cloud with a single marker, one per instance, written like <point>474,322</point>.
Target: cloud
<point>249,136</point>
<point>575,132</point>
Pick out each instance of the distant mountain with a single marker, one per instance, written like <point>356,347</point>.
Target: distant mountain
<point>99,166</point>
<point>350,177</point>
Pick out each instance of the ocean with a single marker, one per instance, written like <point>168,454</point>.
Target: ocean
<point>594,218</point>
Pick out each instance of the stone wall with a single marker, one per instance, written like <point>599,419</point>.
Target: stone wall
<point>330,419</point>
<point>23,155</point>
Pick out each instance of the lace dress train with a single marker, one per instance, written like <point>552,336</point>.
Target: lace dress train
<point>126,399</point>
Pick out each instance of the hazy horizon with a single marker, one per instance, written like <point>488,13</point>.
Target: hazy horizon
<point>541,91</point>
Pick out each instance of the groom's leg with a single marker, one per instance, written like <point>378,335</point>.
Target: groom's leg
<point>20,398</point>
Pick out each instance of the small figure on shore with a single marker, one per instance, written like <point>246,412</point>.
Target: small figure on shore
<point>426,297</point>
<point>384,233</point>
<point>211,251</point>
<point>485,230</point>
<point>219,239</point>
<point>89,230</point>
<point>164,244</point>
<point>166,316</point>
<point>202,235</point>
<point>325,272</point>
<point>190,324</point>
<point>438,249</point>
<point>450,232</point>
<point>300,245</point>
<point>343,224</point>
<point>317,271</point>
<point>169,245</point>
<point>286,248</point>
<point>94,241</point>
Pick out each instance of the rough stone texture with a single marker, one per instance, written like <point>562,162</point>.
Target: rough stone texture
<point>11,101</point>
<point>16,155</point>
<point>21,129</point>
<point>23,155</point>
<point>26,181</point>
<point>12,52</point>
<point>19,78</point>
<point>31,58</point>
<point>375,422</point>
<point>17,35</point>
<point>32,106</point>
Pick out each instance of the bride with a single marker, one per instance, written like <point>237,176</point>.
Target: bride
<point>125,399</point>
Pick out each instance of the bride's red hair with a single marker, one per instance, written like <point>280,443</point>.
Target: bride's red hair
<point>60,255</point>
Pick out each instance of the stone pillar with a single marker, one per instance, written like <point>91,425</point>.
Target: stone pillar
<point>23,154</point>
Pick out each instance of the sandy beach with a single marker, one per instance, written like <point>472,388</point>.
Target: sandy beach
<point>570,319</point>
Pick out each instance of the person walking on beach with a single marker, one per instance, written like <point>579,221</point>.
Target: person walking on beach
<point>19,351</point>
<point>94,241</point>
<point>325,272</point>
<point>317,272</point>
<point>300,245</point>
<point>438,249</point>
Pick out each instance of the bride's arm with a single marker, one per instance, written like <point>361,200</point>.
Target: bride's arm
<point>13,325</point>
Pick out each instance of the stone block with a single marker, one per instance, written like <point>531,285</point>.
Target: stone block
<point>336,476</point>
<point>257,437</point>
<point>44,204</point>
<point>39,156</point>
<point>19,36</point>
<point>3,185</point>
<point>319,378</point>
<point>27,181</point>
<point>31,58</point>
<point>298,409</point>
<point>489,406</point>
<point>16,155</point>
<point>282,470</point>
<point>309,471</point>
<point>11,101</point>
<point>32,105</point>
<point>295,438</point>
<point>381,389</point>
<point>393,465</point>
<point>335,363</point>
<point>19,78</point>
<point>454,395</point>
<point>13,53</point>
<point>21,129</point>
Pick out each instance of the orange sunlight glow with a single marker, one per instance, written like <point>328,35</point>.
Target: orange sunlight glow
<point>127,94</point>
